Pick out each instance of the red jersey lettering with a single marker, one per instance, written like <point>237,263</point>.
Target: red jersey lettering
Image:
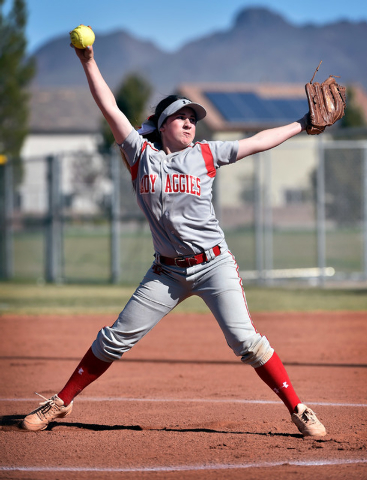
<point>147,183</point>
<point>175,182</point>
<point>153,178</point>
<point>198,193</point>
<point>168,188</point>
<point>181,183</point>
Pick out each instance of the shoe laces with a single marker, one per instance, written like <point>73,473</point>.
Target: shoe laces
<point>44,398</point>
<point>46,406</point>
<point>309,416</point>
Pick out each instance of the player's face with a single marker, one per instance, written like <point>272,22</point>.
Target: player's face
<point>178,131</point>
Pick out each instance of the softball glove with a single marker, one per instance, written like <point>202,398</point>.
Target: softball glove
<point>327,103</point>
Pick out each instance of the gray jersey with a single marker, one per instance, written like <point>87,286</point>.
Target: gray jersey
<point>175,192</point>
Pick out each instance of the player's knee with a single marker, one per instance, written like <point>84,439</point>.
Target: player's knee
<point>107,346</point>
<point>258,353</point>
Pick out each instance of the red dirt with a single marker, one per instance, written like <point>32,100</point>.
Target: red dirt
<point>180,405</point>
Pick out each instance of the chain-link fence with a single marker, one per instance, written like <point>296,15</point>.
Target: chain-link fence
<point>295,212</point>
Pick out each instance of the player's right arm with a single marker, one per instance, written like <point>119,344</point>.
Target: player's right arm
<point>104,98</point>
<point>270,138</point>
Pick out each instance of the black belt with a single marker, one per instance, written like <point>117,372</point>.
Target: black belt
<point>185,262</point>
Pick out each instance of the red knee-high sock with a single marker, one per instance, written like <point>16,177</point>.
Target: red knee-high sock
<point>275,376</point>
<point>88,370</point>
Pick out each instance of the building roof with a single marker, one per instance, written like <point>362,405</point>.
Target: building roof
<point>230,106</point>
<point>253,107</point>
<point>233,106</point>
<point>63,110</point>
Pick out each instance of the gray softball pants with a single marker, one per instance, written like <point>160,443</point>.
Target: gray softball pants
<point>217,282</point>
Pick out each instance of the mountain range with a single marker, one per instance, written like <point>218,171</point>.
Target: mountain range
<point>261,46</point>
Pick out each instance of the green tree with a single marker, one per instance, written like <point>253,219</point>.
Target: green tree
<point>353,113</point>
<point>131,97</point>
<point>16,72</point>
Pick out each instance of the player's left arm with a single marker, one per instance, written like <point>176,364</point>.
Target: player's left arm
<point>267,139</point>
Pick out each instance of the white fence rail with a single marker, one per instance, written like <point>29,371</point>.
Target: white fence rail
<point>297,212</point>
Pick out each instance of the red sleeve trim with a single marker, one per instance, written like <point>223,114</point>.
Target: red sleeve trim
<point>208,159</point>
<point>135,167</point>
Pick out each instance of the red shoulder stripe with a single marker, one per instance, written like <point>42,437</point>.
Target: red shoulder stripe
<point>135,167</point>
<point>208,159</point>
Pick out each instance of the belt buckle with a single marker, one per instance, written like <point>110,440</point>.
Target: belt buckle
<point>186,261</point>
<point>180,259</point>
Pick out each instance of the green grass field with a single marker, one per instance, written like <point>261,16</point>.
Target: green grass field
<point>86,252</point>
<point>34,299</point>
<point>85,274</point>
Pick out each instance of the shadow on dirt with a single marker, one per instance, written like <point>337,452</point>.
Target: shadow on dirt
<point>174,361</point>
<point>12,422</point>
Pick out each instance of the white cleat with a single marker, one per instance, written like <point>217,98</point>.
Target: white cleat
<point>307,422</point>
<point>47,412</point>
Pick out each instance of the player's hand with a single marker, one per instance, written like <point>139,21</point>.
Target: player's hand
<point>304,121</point>
<point>84,54</point>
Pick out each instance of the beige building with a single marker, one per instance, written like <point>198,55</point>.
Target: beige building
<point>67,121</point>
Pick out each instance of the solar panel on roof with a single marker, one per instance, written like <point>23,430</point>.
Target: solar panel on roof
<point>247,107</point>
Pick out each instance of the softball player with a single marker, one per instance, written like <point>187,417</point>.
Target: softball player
<point>172,179</point>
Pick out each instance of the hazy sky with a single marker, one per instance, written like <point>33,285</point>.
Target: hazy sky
<point>169,23</point>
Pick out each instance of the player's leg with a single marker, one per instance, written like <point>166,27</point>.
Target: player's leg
<point>221,289</point>
<point>150,302</point>
<point>220,286</point>
<point>156,296</point>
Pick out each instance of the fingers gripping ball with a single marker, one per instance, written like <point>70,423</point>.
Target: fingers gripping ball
<point>82,36</point>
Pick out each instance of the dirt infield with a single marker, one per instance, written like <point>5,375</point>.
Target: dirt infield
<point>181,406</point>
